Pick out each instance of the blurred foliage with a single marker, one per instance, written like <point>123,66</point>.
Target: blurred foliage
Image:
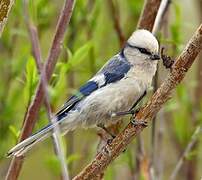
<point>90,41</point>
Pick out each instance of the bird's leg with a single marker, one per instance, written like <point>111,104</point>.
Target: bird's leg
<point>124,113</point>
<point>106,130</point>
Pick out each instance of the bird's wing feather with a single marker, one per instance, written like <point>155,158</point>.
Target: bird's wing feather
<point>113,71</point>
<point>85,90</point>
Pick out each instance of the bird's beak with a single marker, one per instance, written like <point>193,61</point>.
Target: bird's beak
<point>155,57</point>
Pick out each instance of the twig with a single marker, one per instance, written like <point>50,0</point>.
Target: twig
<point>33,33</point>
<point>37,53</point>
<point>116,20</point>
<point>5,7</point>
<point>148,15</point>
<point>162,95</point>
<point>56,135</point>
<point>189,147</point>
<point>157,26</point>
<point>161,12</point>
<point>33,109</point>
<point>146,21</point>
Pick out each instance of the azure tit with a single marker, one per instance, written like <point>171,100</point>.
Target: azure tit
<point>116,88</point>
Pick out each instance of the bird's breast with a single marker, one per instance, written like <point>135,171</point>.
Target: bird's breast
<point>115,97</point>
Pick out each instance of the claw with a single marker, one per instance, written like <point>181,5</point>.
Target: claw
<point>109,141</point>
<point>139,122</point>
<point>106,130</point>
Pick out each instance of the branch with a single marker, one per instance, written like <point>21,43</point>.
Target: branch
<point>148,15</point>
<point>161,12</point>
<point>116,20</point>
<point>56,135</point>
<point>162,95</point>
<point>5,7</point>
<point>48,68</point>
<point>189,147</point>
<point>33,33</point>
<point>163,9</point>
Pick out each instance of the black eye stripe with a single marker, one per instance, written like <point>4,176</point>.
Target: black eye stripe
<point>142,50</point>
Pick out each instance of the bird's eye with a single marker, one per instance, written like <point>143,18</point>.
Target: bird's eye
<point>144,51</point>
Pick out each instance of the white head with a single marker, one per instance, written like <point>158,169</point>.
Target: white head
<point>143,46</point>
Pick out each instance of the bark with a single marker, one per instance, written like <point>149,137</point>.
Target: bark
<point>116,20</point>
<point>148,15</point>
<point>33,33</point>
<point>5,7</point>
<point>162,95</point>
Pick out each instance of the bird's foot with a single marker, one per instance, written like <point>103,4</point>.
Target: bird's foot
<point>107,131</point>
<point>139,122</point>
<point>109,141</point>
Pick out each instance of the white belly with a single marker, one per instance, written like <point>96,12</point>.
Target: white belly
<point>116,97</point>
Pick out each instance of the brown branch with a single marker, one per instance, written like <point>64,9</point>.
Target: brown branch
<point>5,7</point>
<point>33,109</point>
<point>116,20</point>
<point>56,138</point>
<point>148,15</point>
<point>33,33</point>
<point>162,95</point>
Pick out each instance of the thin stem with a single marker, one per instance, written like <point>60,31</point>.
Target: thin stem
<point>31,115</point>
<point>116,21</point>
<point>161,12</point>
<point>148,15</point>
<point>37,54</point>
<point>146,21</point>
<point>189,147</point>
<point>157,26</point>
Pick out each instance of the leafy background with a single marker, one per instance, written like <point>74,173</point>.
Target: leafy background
<point>90,41</point>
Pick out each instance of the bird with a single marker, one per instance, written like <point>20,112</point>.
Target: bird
<point>113,91</point>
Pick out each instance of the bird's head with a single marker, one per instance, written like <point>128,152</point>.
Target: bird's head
<point>142,44</point>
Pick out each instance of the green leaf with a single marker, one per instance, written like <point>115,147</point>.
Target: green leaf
<point>176,27</point>
<point>14,132</point>
<point>78,56</point>
<point>53,163</point>
<point>31,78</point>
<point>72,158</point>
<point>172,105</point>
<point>191,155</point>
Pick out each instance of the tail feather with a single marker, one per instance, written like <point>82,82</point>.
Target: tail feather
<point>27,144</point>
<point>18,151</point>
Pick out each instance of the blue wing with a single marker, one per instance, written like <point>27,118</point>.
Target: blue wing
<point>113,71</point>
